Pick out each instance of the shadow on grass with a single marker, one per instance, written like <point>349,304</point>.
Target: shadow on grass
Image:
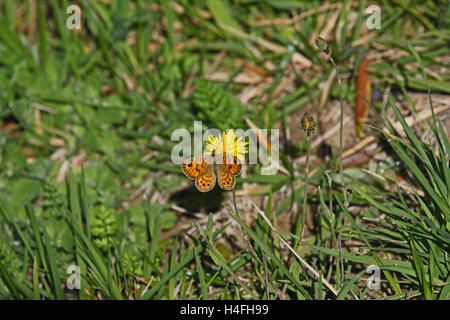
<point>194,201</point>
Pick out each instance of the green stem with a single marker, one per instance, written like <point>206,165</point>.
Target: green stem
<point>272,215</point>
<point>234,203</point>
<point>341,126</point>
<point>300,226</point>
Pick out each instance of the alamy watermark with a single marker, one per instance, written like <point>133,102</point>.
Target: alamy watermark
<point>373,282</point>
<point>192,145</point>
<point>374,20</point>
<point>74,280</point>
<point>74,20</point>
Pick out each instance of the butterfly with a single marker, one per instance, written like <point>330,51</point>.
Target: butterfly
<point>205,174</point>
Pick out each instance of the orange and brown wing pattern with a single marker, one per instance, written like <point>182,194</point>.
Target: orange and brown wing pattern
<point>194,167</point>
<point>227,171</point>
<point>226,180</point>
<point>207,179</point>
<point>232,164</point>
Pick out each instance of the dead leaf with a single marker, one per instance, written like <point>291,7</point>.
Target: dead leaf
<point>363,93</point>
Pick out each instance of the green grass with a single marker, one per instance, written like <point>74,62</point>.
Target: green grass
<point>86,178</point>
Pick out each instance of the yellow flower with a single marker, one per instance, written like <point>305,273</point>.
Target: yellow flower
<point>227,143</point>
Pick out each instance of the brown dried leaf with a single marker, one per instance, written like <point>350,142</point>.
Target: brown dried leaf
<point>363,93</point>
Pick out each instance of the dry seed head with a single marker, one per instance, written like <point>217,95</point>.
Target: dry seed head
<point>308,124</point>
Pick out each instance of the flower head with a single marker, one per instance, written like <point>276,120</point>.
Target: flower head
<point>227,143</point>
<point>322,44</point>
<point>308,124</point>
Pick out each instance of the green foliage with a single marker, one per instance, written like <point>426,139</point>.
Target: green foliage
<point>217,106</point>
<point>96,108</point>
<point>132,264</point>
<point>52,200</point>
<point>422,221</point>
<point>104,227</point>
<point>10,260</point>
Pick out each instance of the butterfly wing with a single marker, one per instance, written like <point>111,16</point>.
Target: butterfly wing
<point>194,167</point>
<point>233,164</point>
<point>225,179</point>
<point>207,179</point>
<point>230,167</point>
